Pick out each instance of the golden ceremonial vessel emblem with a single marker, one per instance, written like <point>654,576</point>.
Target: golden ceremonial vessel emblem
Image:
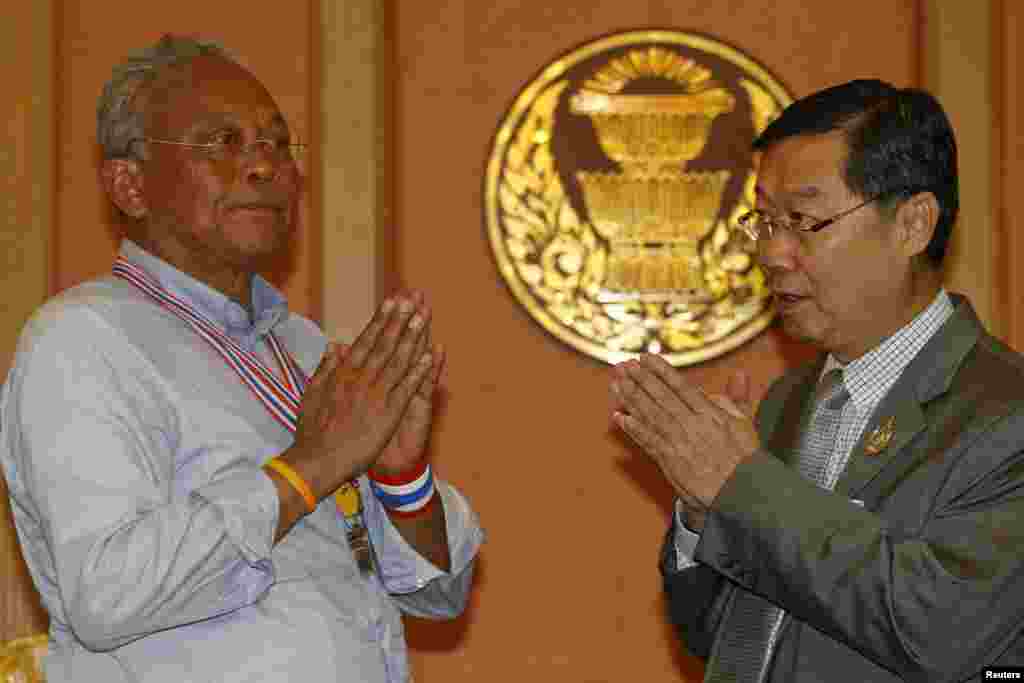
<point>612,190</point>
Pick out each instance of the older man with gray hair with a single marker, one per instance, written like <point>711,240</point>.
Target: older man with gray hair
<point>203,487</point>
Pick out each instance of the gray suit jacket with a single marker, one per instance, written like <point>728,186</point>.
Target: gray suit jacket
<point>925,582</point>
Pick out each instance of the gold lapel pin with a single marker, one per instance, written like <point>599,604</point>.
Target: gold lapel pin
<point>880,438</point>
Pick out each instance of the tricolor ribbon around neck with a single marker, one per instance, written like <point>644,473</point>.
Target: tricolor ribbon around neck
<point>281,399</point>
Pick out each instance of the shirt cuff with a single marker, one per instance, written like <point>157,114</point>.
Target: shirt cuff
<point>685,540</point>
<point>401,568</point>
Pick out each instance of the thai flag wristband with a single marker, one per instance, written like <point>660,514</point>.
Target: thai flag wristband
<point>405,496</point>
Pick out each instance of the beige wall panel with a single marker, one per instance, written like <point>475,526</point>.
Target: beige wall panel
<point>27,169</point>
<point>1008,162</point>
<point>355,160</point>
<point>568,589</point>
<point>957,65</point>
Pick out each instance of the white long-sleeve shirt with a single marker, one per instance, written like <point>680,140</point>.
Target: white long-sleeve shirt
<point>133,456</point>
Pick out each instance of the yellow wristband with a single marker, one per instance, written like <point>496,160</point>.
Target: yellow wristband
<point>295,479</point>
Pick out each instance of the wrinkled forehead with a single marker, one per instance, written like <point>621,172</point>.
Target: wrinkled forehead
<point>207,90</point>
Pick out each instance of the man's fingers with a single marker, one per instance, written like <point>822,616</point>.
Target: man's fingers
<point>653,444</point>
<point>411,346</point>
<point>324,372</point>
<point>409,350</point>
<point>656,385</point>
<point>328,362</point>
<point>314,409</point>
<point>360,350</point>
<point>441,358</point>
<point>405,321</point>
<point>638,402</point>
<point>738,391</point>
<point>726,404</point>
<point>692,396</point>
<point>423,342</point>
<point>401,395</point>
<point>426,390</point>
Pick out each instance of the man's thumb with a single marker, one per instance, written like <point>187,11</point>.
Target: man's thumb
<point>738,391</point>
<point>327,363</point>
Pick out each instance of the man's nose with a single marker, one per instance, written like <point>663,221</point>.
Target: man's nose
<point>261,164</point>
<point>777,252</point>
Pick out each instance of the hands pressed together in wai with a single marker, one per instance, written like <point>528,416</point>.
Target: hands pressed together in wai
<point>696,439</point>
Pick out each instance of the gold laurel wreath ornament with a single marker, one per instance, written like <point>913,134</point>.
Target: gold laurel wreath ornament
<point>652,265</point>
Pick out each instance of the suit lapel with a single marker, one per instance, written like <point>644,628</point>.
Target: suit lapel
<point>927,376</point>
<point>900,412</point>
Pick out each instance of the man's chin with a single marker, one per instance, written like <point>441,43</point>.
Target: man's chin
<point>796,329</point>
<point>265,246</point>
<point>262,256</point>
<point>269,259</point>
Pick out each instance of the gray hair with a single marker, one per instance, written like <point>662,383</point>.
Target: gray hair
<point>119,120</point>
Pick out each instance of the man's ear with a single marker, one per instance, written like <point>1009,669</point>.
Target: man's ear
<point>122,180</point>
<point>917,218</point>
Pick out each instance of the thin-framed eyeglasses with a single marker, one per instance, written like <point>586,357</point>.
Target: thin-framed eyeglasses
<point>234,147</point>
<point>759,225</point>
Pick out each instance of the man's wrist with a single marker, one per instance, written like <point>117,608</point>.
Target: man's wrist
<point>311,467</point>
<point>408,494</point>
<point>405,472</point>
<point>294,479</point>
<point>290,504</point>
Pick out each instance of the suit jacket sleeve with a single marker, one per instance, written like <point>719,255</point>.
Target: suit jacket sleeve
<point>696,598</point>
<point>698,594</point>
<point>931,590</point>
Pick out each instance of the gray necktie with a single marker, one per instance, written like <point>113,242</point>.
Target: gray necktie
<point>746,638</point>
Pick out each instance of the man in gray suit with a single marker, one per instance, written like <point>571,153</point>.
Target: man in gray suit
<point>869,524</point>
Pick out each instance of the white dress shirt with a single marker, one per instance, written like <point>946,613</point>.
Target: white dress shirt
<point>133,456</point>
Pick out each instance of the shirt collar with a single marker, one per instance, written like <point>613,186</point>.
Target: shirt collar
<point>869,377</point>
<point>268,304</point>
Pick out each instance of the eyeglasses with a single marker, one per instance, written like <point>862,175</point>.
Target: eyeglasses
<point>231,146</point>
<point>759,225</point>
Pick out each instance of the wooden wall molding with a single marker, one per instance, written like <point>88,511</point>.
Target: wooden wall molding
<point>354,162</point>
<point>958,63</point>
<point>28,169</point>
<point>1008,168</point>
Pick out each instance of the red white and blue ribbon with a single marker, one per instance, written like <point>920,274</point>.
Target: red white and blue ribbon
<point>282,399</point>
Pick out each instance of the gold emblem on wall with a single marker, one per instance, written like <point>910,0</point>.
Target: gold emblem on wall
<point>612,190</point>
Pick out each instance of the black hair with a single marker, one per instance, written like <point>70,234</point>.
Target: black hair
<point>899,143</point>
